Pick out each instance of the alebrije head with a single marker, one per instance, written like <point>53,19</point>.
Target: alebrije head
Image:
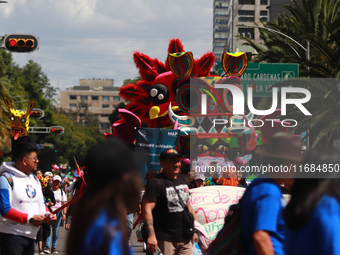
<point>19,119</point>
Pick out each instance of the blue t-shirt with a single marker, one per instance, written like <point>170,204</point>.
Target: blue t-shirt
<point>262,209</point>
<point>95,241</point>
<point>320,234</point>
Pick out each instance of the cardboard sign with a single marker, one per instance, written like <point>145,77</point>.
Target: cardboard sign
<point>211,205</point>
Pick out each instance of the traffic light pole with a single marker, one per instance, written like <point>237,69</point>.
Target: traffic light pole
<point>41,130</point>
<point>46,130</point>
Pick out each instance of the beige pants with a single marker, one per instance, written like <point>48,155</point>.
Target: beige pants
<point>175,248</point>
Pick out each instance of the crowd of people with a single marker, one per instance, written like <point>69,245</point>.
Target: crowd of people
<point>308,224</point>
<point>236,179</point>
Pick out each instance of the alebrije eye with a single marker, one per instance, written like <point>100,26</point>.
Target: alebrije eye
<point>158,94</point>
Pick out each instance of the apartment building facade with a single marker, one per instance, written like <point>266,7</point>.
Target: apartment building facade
<point>243,14</point>
<point>101,96</point>
<point>220,27</point>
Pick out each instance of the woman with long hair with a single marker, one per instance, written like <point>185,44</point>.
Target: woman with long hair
<point>313,213</point>
<point>99,219</point>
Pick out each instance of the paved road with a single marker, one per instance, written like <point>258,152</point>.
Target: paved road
<point>61,245</point>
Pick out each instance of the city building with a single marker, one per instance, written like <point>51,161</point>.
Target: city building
<point>243,13</point>
<point>220,29</point>
<point>275,8</point>
<point>100,95</point>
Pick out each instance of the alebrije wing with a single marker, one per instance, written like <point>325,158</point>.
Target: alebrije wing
<point>175,45</point>
<point>203,65</point>
<point>159,66</point>
<point>145,65</point>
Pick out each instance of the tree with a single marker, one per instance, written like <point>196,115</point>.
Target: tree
<point>134,81</point>
<point>75,141</point>
<point>114,115</point>
<point>5,135</point>
<point>82,116</point>
<point>316,22</point>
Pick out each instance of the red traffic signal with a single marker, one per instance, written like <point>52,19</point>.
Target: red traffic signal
<point>57,130</point>
<point>37,113</point>
<point>21,43</point>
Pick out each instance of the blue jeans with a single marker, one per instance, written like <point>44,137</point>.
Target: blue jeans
<point>55,231</point>
<point>129,219</point>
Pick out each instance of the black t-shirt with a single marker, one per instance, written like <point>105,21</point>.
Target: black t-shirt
<point>168,212</point>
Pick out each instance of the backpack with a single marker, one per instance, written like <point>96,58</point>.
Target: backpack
<point>9,178</point>
<point>229,239</point>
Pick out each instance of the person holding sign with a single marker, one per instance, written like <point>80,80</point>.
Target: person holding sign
<point>263,226</point>
<point>163,210</point>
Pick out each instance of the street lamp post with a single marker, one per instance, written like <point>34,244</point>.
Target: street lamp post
<point>280,33</point>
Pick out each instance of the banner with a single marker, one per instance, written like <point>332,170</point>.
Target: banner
<point>211,205</point>
<point>151,142</point>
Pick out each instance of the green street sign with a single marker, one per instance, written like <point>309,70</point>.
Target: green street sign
<point>262,75</point>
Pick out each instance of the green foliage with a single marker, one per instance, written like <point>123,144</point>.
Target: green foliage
<point>75,141</point>
<point>134,81</point>
<point>114,115</point>
<point>5,135</point>
<point>21,85</point>
<point>316,22</point>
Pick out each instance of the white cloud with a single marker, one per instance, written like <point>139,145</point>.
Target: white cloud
<point>96,38</point>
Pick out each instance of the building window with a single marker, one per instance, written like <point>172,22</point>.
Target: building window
<point>264,2</point>
<point>221,12</point>
<point>73,97</point>
<point>94,97</point>
<point>221,21</point>
<point>106,98</point>
<point>115,98</point>
<point>105,115</point>
<point>252,2</point>
<point>105,105</point>
<point>114,106</point>
<point>221,29</point>
<point>264,16</point>
<point>83,97</point>
<point>221,35</point>
<point>219,44</point>
<point>73,106</point>
<point>105,125</point>
<point>246,16</point>
<point>248,32</point>
<point>218,52</point>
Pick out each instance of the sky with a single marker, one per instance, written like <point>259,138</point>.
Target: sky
<point>85,39</point>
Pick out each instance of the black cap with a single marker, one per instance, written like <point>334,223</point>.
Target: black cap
<point>169,153</point>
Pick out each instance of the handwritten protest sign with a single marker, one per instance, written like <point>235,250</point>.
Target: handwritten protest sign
<point>211,204</point>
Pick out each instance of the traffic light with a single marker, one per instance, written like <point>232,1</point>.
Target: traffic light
<point>37,113</point>
<point>21,43</point>
<point>48,146</point>
<point>57,130</point>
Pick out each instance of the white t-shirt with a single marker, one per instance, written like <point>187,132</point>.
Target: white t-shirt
<point>58,199</point>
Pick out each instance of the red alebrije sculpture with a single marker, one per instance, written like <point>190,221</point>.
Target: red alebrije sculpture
<point>150,97</point>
